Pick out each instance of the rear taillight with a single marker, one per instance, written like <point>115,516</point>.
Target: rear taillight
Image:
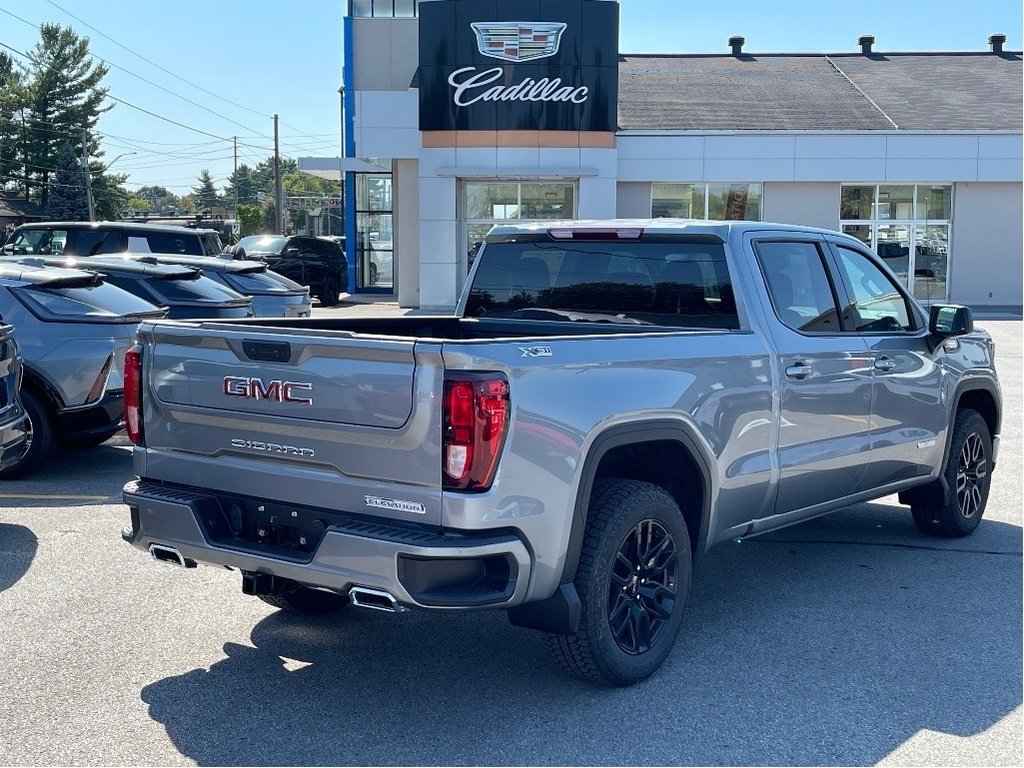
<point>476,408</point>
<point>133,395</point>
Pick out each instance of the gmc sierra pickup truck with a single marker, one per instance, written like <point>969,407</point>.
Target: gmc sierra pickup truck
<point>610,400</point>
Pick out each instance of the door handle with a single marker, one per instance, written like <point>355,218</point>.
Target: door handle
<point>884,364</point>
<point>799,371</point>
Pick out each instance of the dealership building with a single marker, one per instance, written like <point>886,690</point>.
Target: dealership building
<point>462,114</point>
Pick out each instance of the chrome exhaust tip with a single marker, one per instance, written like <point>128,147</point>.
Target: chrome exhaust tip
<point>164,554</point>
<point>375,599</point>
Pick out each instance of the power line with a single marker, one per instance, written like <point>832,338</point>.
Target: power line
<point>140,77</point>
<point>153,63</point>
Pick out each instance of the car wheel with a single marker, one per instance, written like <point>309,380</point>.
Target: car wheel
<point>329,293</point>
<point>967,473</point>
<point>41,438</point>
<point>300,599</point>
<point>373,273</point>
<point>633,581</point>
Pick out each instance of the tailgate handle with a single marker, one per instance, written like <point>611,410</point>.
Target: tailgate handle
<point>268,351</point>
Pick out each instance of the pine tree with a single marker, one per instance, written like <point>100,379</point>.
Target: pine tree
<point>67,199</point>
<point>63,97</point>
<point>242,180</point>
<point>204,195</point>
<point>12,98</point>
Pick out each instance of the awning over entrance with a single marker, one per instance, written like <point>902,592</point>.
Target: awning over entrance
<point>334,168</point>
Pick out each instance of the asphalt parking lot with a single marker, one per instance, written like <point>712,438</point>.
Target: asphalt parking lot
<point>848,640</point>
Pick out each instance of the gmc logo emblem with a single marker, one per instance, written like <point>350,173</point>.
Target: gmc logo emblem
<point>255,389</point>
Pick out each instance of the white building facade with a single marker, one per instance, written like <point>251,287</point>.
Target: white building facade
<point>804,138</point>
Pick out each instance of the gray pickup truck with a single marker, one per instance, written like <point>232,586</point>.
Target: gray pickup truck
<point>611,400</point>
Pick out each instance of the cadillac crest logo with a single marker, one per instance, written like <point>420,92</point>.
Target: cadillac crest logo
<point>518,40</point>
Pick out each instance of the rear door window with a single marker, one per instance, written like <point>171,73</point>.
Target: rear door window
<point>798,286</point>
<point>172,242</point>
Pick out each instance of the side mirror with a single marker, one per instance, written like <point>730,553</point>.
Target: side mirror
<point>947,320</point>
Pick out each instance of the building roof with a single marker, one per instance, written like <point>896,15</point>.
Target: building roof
<point>12,207</point>
<point>876,91</point>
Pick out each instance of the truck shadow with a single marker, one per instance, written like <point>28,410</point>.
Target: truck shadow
<point>832,642</point>
<point>18,546</point>
<point>73,477</point>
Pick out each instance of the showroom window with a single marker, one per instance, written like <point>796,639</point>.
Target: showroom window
<point>908,225</point>
<point>718,202</point>
<point>374,249</point>
<point>487,203</point>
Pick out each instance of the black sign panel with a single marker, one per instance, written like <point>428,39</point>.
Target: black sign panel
<point>548,65</point>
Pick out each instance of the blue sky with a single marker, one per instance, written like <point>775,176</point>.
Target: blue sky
<point>269,57</point>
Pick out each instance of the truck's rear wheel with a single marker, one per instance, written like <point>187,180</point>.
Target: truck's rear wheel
<point>968,474</point>
<point>633,581</point>
<point>300,599</point>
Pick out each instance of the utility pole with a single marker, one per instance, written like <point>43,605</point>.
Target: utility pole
<point>88,174</point>
<point>235,178</point>
<point>277,182</point>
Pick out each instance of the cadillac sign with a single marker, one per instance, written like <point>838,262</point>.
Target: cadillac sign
<point>559,69</point>
<point>518,40</point>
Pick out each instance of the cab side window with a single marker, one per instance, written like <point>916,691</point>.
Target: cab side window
<point>798,286</point>
<point>877,305</point>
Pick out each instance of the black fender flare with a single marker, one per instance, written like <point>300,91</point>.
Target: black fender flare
<point>631,434</point>
<point>936,492</point>
<point>560,613</point>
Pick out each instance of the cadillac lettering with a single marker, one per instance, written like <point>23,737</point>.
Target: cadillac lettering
<point>254,389</point>
<point>467,91</point>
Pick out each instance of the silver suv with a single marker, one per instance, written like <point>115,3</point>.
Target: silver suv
<point>73,330</point>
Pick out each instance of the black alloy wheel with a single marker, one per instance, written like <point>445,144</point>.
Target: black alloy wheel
<point>642,588</point>
<point>971,474</point>
<point>633,580</point>
<point>967,475</point>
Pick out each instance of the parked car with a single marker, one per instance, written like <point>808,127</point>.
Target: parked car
<point>183,291</point>
<point>311,261</point>
<point>272,295</point>
<point>84,238</point>
<point>380,261</point>
<point>73,329</point>
<point>14,425</point>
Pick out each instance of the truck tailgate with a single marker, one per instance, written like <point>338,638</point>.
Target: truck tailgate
<point>326,420</point>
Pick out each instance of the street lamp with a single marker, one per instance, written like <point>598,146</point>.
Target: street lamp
<point>88,182</point>
<point>107,166</point>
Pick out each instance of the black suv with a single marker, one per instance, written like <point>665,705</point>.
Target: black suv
<point>311,261</point>
<point>83,238</point>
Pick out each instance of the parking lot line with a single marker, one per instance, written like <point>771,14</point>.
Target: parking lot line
<point>53,496</point>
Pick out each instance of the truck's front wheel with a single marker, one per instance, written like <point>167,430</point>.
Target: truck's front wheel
<point>967,473</point>
<point>633,581</point>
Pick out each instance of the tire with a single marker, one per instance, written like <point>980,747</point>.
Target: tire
<point>373,273</point>
<point>968,474</point>
<point>329,293</point>
<point>300,599</point>
<point>627,627</point>
<point>42,439</point>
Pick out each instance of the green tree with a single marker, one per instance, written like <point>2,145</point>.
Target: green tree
<point>242,181</point>
<point>161,200</point>
<point>67,199</point>
<point>205,194</point>
<point>63,97</point>
<point>249,220</point>
<point>12,135</point>
<point>109,195</point>
<point>137,204</point>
